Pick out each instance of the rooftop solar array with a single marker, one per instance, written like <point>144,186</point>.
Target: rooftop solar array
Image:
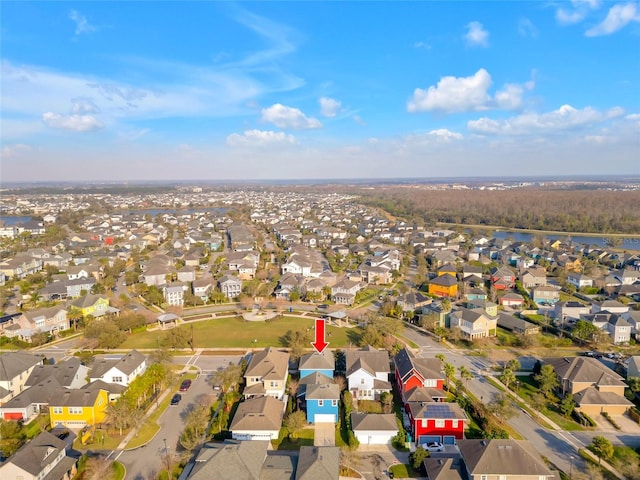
<point>439,411</point>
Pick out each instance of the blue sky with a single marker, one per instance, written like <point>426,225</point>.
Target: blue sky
<point>284,90</point>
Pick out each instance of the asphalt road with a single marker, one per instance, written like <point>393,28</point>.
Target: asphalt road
<point>144,463</point>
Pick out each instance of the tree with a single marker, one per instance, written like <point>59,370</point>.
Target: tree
<point>602,447</point>
<point>584,331</point>
<point>98,468</point>
<point>297,341</point>
<point>417,457</point>
<point>123,414</point>
<point>465,374</point>
<point>547,380</point>
<point>11,437</point>
<point>449,372</point>
<point>502,407</point>
<point>176,338</point>
<point>295,422</point>
<point>567,404</point>
<point>197,418</point>
<point>227,377</point>
<point>386,398</point>
<point>507,377</point>
<point>341,381</point>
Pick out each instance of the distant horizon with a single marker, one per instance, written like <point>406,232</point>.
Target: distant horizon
<point>607,178</point>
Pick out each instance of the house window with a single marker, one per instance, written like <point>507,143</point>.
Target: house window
<point>502,477</point>
<point>439,423</point>
<point>362,381</point>
<point>320,403</point>
<point>334,403</point>
<point>75,410</point>
<point>424,423</point>
<point>454,423</point>
<point>116,379</point>
<point>484,477</point>
<point>431,383</point>
<point>57,410</point>
<point>273,384</point>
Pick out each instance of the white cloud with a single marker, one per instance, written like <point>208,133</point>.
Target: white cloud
<point>439,136</point>
<point>358,119</point>
<point>422,45</point>
<point>564,118</point>
<point>510,97</point>
<point>476,35</point>
<point>526,28</point>
<point>577,12</point>
<point>618,17</point>
<point>453,94</point>
<point>260,138</point>
<point>83,105</point>
<point>76,123</point>
<point>82,24</point>
<point>11,151</point>
<point>329,107</point>
<point>289,118</point>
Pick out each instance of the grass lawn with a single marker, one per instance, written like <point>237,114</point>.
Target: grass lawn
<point>506,338</point>
<point>237,333</point>
<point>150,427</point>
<point>305,438</point>
<point>369,406</point>
<point>119,471</point>
<point>111,441</point>
<point>528,388</point>
<point>404,471</point>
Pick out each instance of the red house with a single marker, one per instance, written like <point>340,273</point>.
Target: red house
<point>503,278</point>
<point>414,372</point>
<point>436,422</point>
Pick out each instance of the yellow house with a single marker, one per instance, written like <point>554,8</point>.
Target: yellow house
<point>77,408</point>
<point>444,286</point>
<point>94,305</point>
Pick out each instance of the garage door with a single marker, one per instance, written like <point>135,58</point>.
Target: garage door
<point>13,416</point>
<point>374,439</point>
<point>324,418</point>
<point>449,440</point>
<point>429,438</point>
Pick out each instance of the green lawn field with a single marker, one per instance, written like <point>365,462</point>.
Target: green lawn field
<point>238,333</point>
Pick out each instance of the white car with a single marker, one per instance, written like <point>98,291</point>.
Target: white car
<point>433,446</point>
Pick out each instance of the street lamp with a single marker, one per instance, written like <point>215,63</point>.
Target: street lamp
<point>571,467</point>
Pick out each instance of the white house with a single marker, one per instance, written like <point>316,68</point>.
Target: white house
<point>368,373</point>
<point>374,429</point>
<point>121,371</point>
<point>257,418</point>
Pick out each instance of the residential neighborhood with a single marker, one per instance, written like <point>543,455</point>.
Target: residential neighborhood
<point>443,352</point>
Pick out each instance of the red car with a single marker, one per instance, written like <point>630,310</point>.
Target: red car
<point>184,386</point>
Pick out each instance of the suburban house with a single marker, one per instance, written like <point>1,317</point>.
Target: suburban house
<point>44,457</point>
<point>618,328</point>
<point>512,300</point>
<point>473,323</point>
<point>579,280</point>
<point>413,301</point>
<point>202,288</point>
<point>50,320</point>
<point>570,310</point>
<point>30,402</point>
<point>173,294</point>
<point>15,369</point>
<point>444,286</point>
<point>517,325</point>
<point>90,304</point>
<point>368,373</point>
<point>374,429</point>
<point>595,387</point>
<point>323,363</point>
<point>496,459</point>
<point>79,407</point>
<point>322,402</point>
<point>257,418</point>
<point>314,378</point>
<point>267,373</point>
<point>436,422</point>
<point>545,295</point>
<point>122,371</point>
<point>611,306</point>
<point>502,278</point>
<point>533,277</point>
<point>253,460</point>
<point>230,286</point>
<point>69,373</point>
<point>344,292</point>
<point>411,372</point>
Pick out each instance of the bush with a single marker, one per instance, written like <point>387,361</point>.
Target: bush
<point>352,440</point>
<point>417,457</point>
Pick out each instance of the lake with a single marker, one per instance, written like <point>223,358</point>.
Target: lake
<point>627,243</point>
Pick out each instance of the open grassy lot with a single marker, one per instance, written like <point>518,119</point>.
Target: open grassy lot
<point>305,437</point>
<point>238,333</point>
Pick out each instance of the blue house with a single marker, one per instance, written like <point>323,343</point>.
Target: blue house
<point>323,363</point>
<point>322,402</point>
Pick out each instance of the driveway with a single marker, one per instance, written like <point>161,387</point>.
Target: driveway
<point>325,435</point>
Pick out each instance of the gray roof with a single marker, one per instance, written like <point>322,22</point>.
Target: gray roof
<point>12,364</point>
<point>593,396</point>
<point>326,391</point>
<point>318,463</point>
<point>502,457</point>
<point>64,372</point>
<point>374,421</point>
<point>260,413</point>
<point>369,359</point>
<point>269,364</point>
<point>318,361</point>
<point>127,364</point>
<point>444,468</point>
<point>35,455</point>
<point>584,370</point>
<point>240,461</point>
<point>40,394</point>
<point>82,397</point>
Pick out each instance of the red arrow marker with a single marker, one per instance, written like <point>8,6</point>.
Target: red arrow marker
<point>319,344</point>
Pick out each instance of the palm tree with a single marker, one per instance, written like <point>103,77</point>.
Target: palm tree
<point>465,374</point>
<point>449,372</point>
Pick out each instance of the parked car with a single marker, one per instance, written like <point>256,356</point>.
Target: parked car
<point>175,400</point>
<point>184,386</point>
<point>433,446</point>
